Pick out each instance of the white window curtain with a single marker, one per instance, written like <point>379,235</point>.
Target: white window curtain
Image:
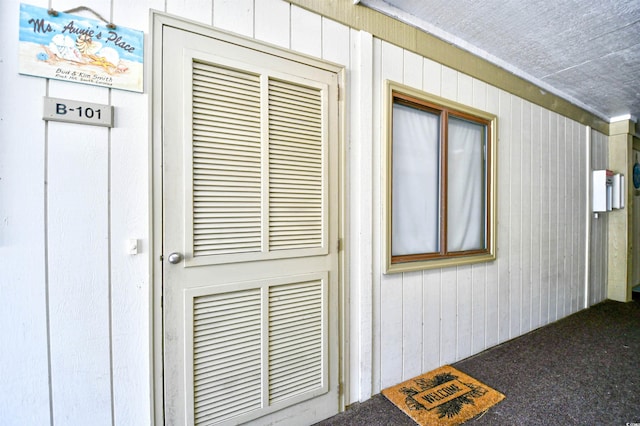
<point>415,181</point>
<point>465,186</point>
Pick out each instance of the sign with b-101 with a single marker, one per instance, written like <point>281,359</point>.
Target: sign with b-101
<point>77,112</point>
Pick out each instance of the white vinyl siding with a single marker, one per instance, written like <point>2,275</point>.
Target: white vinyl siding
<point>599,227</point>
<point>539,276</point>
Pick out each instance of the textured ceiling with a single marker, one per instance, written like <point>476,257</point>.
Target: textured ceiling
<point>585,51</point>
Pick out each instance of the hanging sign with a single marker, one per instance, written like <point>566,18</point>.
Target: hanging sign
<point>80,50</point>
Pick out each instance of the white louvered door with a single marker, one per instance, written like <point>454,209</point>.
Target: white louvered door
<point>251,202</point>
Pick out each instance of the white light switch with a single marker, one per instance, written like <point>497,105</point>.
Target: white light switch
<point>132,246</point>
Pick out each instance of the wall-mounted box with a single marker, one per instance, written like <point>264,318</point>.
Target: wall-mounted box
<point>602,182</point>
<point>608,190</point>
<point>617,188</point>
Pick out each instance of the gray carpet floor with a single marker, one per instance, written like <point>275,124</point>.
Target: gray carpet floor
<point>581,370</point>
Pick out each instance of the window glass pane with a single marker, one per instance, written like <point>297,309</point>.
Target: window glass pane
<point>466,205</point>
<point>415,180</point>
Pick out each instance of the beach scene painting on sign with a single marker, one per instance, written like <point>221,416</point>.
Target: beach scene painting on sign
<point>80,50</point>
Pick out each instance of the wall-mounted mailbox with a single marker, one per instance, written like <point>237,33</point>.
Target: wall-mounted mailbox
<point>608,190</point>
<point>618,191</point>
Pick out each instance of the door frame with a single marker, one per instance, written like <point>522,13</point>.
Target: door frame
<point>159,20</point>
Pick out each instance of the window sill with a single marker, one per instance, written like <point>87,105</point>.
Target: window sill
<point>392,268</point>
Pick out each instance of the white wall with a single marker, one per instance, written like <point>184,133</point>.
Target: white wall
<point>635,205</point>
<point>599,227</point>
<point>425,319</point>
<point>24,367</point>
<point>75,307</point>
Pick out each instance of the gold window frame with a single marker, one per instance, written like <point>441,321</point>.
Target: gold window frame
<point>393,264</point>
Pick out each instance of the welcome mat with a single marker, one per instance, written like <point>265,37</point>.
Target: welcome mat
<point>444,396</point>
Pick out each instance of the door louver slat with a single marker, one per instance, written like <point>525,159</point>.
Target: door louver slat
<point>227,359</point>
<point>295,166</point>
<point>206,335</point>
<point>225,410</point>
<point>223,378</point>
<point>226,156</point>
<point>295,358</point>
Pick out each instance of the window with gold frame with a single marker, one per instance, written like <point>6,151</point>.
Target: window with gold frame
<point>439,181</point>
